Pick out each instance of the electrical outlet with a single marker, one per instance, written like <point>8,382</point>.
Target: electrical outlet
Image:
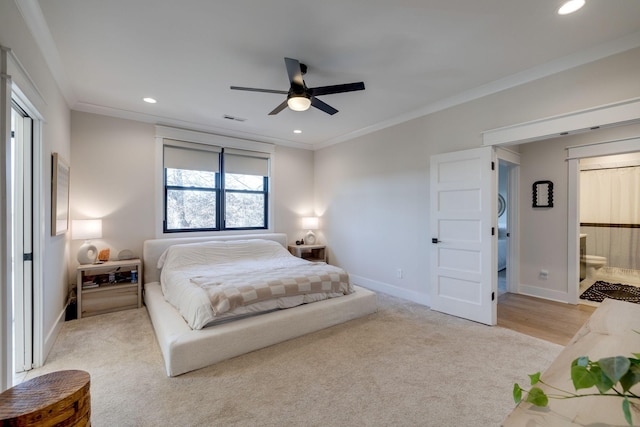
<point>399,273</point>
<point>544,274</point>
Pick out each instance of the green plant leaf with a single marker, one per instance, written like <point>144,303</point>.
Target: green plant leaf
<point>631,378</point>
<point>581,361</point>
<point>627,411</point>
<point>582,378</point>
<point>535,378</point>
<point>517,393</point>
<point>537,397</point>
<point>603,382</point>
<point>614,367</point>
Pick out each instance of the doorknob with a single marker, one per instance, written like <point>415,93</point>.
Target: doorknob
<point>435,240</point>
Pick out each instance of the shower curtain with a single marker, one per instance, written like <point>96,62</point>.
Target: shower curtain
<point>610,214</point>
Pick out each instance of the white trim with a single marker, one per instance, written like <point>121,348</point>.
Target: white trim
<point>616,114</point>
<point>166,132</point>
<point>539,292</point>
<point>22,81</point>
<point>19,86</point>
<point>6,308</point>
<point>513,212</point>
<point>574,154</point>
<point>207,128</point>
<point>37,25</point>
<point>573,230</point>
<point>213,139</point>
<point>38,226</point>
<point>374,285</point>
<point>620,146</point>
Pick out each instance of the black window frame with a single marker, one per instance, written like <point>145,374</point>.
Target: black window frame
<point>220,194</point>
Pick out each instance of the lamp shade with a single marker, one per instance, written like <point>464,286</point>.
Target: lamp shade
<point>86,229</point>
<point>310,223</point>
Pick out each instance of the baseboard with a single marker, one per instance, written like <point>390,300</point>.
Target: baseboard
<point>374,285</point>
<point>51,337</point>
<point>534,291</point>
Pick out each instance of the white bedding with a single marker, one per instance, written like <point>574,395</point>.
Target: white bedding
<point>191,272</point>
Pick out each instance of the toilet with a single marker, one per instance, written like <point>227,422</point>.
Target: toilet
<point>590,264</point>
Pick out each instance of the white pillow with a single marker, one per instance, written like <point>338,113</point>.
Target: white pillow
<point>219,252</point>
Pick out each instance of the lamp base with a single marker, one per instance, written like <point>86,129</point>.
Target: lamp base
<point>87,253</point>
<point>310,238</point>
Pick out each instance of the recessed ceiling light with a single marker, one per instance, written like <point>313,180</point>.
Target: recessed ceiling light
<point>149,100</point>
<point>570,7</point>
<point>297,131</point>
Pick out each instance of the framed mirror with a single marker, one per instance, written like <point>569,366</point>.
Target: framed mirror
<point>59,195</point>
<point>502,205</point>
<point>542,194</point>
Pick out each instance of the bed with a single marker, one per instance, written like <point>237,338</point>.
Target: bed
<point>186,348</point>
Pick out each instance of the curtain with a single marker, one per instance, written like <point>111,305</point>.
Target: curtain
<point>610,205</point>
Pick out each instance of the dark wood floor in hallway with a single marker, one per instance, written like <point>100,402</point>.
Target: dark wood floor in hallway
<point>548,320</point>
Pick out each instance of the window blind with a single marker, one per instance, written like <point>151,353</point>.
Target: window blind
<point>190,156</point>
<point>246,162</point>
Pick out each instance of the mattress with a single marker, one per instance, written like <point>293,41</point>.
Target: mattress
<point>210,282</point>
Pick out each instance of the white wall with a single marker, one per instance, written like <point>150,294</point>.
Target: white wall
<point>113,170</point>
<point>374,191</point>
<point>55,138</point>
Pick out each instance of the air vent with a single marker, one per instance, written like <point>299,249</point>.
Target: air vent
<point>237,119</point>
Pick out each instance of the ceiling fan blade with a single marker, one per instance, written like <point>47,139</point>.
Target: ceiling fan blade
<point>294,71</point>
<point>323,106</point>
<point>328,90</point>
<point>253,89</point>
<point>279,108</point>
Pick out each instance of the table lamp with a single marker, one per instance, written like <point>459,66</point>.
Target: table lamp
<point>86,229</point>
<point>310,223</point>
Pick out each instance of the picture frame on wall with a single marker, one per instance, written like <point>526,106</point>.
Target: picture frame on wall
<point>60,171</point>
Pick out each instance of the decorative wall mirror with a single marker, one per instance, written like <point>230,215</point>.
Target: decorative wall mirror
<point>502,205</point>
<point>543,194</point>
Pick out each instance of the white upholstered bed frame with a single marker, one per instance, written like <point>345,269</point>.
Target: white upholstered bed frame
<point>185,349</point>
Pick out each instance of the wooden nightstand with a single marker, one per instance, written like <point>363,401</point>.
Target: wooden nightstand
<point>316,253</point>
<point>107,287</point>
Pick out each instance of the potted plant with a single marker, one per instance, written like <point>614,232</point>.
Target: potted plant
<point>612,376</point>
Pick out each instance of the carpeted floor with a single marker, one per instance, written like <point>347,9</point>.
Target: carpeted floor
<point>403,366</point>
<point>601,290</point>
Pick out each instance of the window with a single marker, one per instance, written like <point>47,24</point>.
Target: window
<point>245,188</point>
<point>208,188</point>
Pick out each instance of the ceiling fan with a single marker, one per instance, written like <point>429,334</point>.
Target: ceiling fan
<point>299,96</point>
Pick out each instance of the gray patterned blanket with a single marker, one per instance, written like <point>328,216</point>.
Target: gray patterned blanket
<point>229,291</point>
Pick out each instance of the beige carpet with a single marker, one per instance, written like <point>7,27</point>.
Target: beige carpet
<point>403,366</point>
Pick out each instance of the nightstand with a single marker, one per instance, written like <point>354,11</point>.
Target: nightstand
<point>110,286</point>
<point>316,253</point>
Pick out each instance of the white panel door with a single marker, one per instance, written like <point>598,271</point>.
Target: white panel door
<point>463,208</point>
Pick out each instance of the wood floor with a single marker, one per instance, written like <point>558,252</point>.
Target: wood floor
<point>548,320</point>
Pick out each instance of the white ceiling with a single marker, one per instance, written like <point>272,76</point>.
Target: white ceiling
<point>414,56</point>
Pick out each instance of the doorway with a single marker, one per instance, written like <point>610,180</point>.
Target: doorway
<point>22,238</point>
<point>609,226</point>
<point>508,220</point>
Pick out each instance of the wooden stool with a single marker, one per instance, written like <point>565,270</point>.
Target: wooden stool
<point>57,399</point>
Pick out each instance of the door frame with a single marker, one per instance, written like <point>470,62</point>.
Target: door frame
<point>574,154</point>
<point>512,158</point>
<point>23,224</point>
<point>16,85</point>
<point>608,115</point>
<point>38,218</point>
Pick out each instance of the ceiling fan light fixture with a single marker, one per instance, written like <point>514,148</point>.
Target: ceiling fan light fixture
<point>299,103</point>
<point>570,7</point>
